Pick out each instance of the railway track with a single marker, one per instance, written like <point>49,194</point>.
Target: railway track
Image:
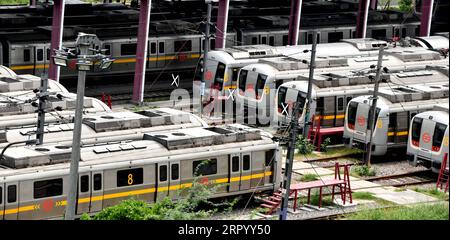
<point>404,179</point>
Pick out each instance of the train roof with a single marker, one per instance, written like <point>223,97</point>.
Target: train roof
<point>195,143</point>
<point>435,115</point>
<point>397,106</point>
<point>108,127</point>
<point>434,42</point>
<point>412,93</point>
<point>441,107</point>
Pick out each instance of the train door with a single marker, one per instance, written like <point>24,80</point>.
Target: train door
<point>11,201</point>
<point>392,127</point>
<point>152,54</point>
<point>2,200</point>
<point>426,137</point>
<point>39,59</point>
<point>161,55</point>
<point>174,180</point>
<point>340,111</point>
<point>269,163</point>
<point>263,39</point>
<point>162,189</point>
<point>235,172</point>
<point>246,171</point>
<point>84,193</point>
<point>401,133</point>
<point>96,193</point>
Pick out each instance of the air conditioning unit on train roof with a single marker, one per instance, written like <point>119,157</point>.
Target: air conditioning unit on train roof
<point>413,92</point>
<point>252,51</point>
<point>366,44</point>
<point>285,63</point>
<point>414,55</point>
<point>19,83</point>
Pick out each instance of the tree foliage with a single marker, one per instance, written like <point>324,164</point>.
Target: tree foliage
<point>304,146</point>
<point>405,5</point>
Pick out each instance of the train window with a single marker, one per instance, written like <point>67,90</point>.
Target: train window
<point>260,83</point>
<point>48,54</point>
<point>108,49</point>
<point>263,40</point>
<point>161,47</point>
<point>47,188</point>
<point>220,74</point>
<point>153,48</point>
<point>416,128</point>
<point>320,105</point>
<point>163,173</point>
<point>235,164</point>
<point>246,163</point>
<point>285,40</point>
<point>12,193</point>
<point>84,183</point>
<point>438,134</point>
<point>97,182</point>
<point>340,104</point>
<point>348,99</point>
<point>403,32</point>
<point>335,36</point>
<point>392,120</point>
<point>235,74</point>
<point>351,115</point>
<point>183,46</point>
<point>199,70</point>
<point>243,79</point>
<point>281,99</point>
<point>301,100</point>
<point>26,55</point>
<point>270,155</point>
<point>310,38</point>
<point>130,177</point>
<point>379,33</point>
<point>204,167</point>
<point>272,41</point>
<point>128,49</point>
<point>175,171</point>
<point>40,55</point>
<point>212,44</point>
<point>1,195</point>
<point>254,40</point>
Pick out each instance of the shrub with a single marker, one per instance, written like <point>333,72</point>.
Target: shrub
<point>325,144</point>
<point>405,5</point>
<point>420,212</point>
<point>304,146</point>
<point>363,171</point>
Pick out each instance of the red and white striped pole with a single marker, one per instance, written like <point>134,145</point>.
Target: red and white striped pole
<point>141,51</point>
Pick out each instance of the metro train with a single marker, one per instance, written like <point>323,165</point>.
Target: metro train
<point>223,66</point>
<point>428,138</point>
<point>164,164</point>
<point>174,45</point>
<point>396,106</point>
<point>332,91</point>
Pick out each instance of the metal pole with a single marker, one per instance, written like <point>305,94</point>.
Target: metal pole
<point>312,66</point>
<point>41,111</point>
<point>372,114</point>
<point>57,35</point>
<point>75,157</point>
<point>205,53</point>
<point>294,22</point>
<point>289,162</point>
<point>426,17</point>
<point>222,21</point>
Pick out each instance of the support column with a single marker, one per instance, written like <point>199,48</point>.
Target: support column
<point>33,3</point>
<point>373,4</point>
<point>222,21</point>
<point>361,22</point>
<point>294,22</point>
<point>425,19</point>
<point>57,34</point>
<point>141,51</point>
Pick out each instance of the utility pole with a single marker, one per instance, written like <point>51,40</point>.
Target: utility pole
<point>371,123</point>
<point>289,161</point>
<point>42,96</point>
<point>205,52</point>
<point>312,66</point>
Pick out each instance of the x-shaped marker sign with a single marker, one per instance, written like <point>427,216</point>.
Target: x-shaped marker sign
<point>176,80</point>
<point>285,109</point>
<point>231,94</point>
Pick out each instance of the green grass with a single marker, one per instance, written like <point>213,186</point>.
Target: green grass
<point>421,212</point>
<point>434,192</point>
<point>13,2</point>
<point>326,200</point>
<point>364,196</point>
<point>362,171</point>
<point>342,151</point>
<point>309,177</point>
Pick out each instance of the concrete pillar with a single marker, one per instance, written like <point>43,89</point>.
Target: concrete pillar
<point>294,22</point>
<point>361,22</point>
<point>373,4</point>
<point>222,21</point>
<point>141,51</point>
<point>33,2</point>
<point>425,19</point>
<point>57,34</point>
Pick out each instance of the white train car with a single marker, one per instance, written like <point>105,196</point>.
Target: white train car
<point>236,158</point>
<point>428,138</point>
<point>396,106</point>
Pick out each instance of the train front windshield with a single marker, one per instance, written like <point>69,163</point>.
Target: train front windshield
<point>199,70</point>
<point>415,131</point>
<point>351,116</point>
<point>438,136</point>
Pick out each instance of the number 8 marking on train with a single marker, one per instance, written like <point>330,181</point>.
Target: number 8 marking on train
<point>130,179</point>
